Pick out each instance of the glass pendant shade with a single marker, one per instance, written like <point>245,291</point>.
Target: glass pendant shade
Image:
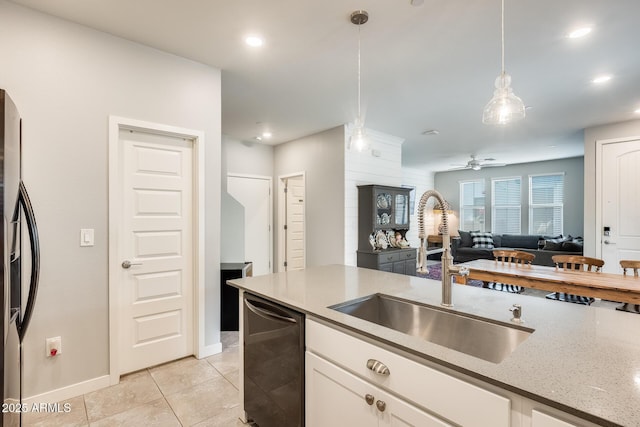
<point>358,140</point>
<point>505,107</point>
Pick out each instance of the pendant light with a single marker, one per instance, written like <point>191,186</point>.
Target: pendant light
<point>358,140</point>
<point>505,107</point>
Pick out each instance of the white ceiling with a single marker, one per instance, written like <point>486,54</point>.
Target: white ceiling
<point>426,67</point>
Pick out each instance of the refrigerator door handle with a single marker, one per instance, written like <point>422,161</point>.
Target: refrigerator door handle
<point>34,242</point>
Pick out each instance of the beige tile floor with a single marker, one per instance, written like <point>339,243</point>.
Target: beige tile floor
<point>186,392</point>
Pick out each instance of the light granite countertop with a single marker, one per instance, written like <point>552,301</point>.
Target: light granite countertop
<point>582,360</point>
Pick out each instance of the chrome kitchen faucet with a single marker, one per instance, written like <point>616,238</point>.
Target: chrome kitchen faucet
<point>448,269</point>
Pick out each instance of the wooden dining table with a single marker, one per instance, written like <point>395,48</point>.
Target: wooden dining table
<point>615,287</point>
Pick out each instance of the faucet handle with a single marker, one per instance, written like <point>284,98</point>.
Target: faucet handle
<point>459,270</point>
<point>517,313</point>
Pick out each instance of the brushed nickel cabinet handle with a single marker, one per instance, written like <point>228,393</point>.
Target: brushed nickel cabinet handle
<point>378,367</point>
<point>381,405</point>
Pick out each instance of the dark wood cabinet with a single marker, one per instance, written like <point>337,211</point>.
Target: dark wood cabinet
<point>384,209</point>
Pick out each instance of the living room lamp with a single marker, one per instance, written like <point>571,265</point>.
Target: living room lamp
<point>505,107</point>
<point>358,140</point>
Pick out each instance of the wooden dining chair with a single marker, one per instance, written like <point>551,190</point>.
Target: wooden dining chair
<point>635,267</point>
<point>518,258</point>
<point>513,257</point>
<point>577,263</point>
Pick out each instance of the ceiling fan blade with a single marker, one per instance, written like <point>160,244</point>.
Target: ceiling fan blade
<point>493,165</point>
<point>459,168</point>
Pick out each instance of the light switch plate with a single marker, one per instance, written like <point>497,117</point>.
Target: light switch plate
<point>86,237</point>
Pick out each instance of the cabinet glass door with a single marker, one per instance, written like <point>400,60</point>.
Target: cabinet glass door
<point>384,209</point>
<point>401,209</point>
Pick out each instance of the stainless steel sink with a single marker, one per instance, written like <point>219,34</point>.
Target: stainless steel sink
<point>483,338</point>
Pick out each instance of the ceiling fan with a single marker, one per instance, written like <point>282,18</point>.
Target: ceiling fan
<point>476,164</point>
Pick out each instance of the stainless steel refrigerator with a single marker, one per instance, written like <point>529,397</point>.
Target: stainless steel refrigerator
<point>20,261</point>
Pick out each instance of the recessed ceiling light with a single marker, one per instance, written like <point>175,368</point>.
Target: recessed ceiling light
<point>258,138</point>
<point>579,32</point>
<point>602,79</point>
<point>266,135</point>
<point>254,41</point>
<point>431,132</point>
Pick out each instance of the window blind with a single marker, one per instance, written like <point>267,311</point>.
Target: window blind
<point>506,205</point>
<point>472,196</point>
<point>546,204</point>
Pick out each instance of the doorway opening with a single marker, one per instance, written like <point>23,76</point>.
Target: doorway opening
<point>292,222</point>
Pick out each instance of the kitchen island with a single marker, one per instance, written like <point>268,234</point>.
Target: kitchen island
<point>581,361</point>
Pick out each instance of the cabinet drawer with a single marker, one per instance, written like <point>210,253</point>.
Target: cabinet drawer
<point>427,387</point>
<point>408,254</point>
<point>540,419</point>
<point>386,257</point>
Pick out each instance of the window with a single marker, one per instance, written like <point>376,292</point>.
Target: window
<point>472,205</point>
<point>506,205</point>
<point>546,199</point>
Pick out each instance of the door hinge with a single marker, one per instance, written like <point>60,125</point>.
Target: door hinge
<point>285,263</point>
<point>285,189</point>
<point>285,226</point>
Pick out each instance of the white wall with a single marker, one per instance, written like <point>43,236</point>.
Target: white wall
<point>248,158</point>
<point>321,157</point>
<point>448,183</point>
<point>591,135</point>
<point>66,80</point>
<point>382,165</point>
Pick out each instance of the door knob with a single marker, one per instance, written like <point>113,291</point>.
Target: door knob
<point>126,263</point>
<point>381,405</point>
<point>607,242</point>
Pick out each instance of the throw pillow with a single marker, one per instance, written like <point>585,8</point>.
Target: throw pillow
<point>554,244</point>
<point>466,241</point>
<point>482,240</point>
<point>550,245</point>
<point>572,246</point>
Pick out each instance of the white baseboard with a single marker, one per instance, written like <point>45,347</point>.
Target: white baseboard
<point>69,391</point>
<point>209,350</point>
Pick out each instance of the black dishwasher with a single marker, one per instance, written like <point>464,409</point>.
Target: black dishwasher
<point>273,363</point>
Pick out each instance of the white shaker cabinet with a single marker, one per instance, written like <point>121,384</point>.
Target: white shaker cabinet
<point>338,398</point>
<point>540,419</point>
<point>427,388</point>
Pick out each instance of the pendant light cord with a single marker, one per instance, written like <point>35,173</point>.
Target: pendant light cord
<point>359,115</point>
<point>502,29</point>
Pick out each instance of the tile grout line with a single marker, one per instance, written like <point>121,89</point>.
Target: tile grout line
<point>164,397</point>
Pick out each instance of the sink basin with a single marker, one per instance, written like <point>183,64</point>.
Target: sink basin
<point>482,338</point>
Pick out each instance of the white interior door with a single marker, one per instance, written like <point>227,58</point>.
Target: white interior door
<point>156,175</point>
<point>294,227</point>
<point>620,203</point>
<point>254,193</point>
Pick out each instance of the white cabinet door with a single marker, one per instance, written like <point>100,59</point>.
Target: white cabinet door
<point>336,398</point>
<point>540,419</point>
<point>399,413</point>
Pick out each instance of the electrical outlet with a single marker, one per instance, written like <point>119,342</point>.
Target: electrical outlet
<point>54,346</point>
